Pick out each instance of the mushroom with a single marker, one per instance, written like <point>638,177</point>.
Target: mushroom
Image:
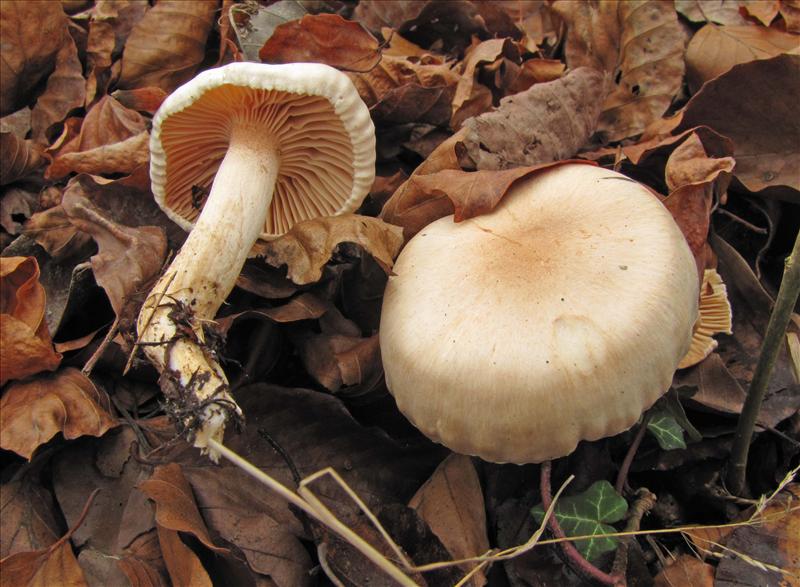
<point>241,153</point>
<point>560,316</point>
<point>716,317</point>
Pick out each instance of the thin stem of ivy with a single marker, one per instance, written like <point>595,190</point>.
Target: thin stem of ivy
<point>773,340</point>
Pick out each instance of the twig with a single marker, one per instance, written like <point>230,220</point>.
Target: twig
<point>581,565</point>
<point>773,339</point>
<point>622,476</point>
<point>742,221</point>
<point>643,504</point>
<point>87,368</point>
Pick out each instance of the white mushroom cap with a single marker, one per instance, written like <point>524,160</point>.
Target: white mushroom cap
<point>316,121</point>
<point>558,317</point>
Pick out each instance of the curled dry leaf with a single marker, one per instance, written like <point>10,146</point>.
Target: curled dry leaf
<point>338,360</point>
<point>641,44</point>
<point>32,34</point>
<point>323,38</point>
<point>686,570</point>
<point>718,11</point>
<point>26,347</point>
<point>28,516</point>
<point>141,99</point>
<point>764,158</point>
<point>127,259</point>
<point>107,122</point>
<point>545,123</point>
<point>167,45</point>
<point>123,157</point>
<point>428,197</point>
<point>451,502</point>
<point>20,158</point>
<point>714,49</point>
<point>52,230</point>
<point>309,245</point>
<point>65,91</point>
<point>67,402</point>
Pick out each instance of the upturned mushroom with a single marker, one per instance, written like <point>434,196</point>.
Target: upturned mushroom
<point>241,153</point>
<point>558,317</point>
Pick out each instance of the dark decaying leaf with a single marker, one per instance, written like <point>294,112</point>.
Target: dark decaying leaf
<point>36,410</point>
<point>546,123</point>
<point>167,45</point>
<point>32,33</point>
<point>640,44</point>
<point>26,347</point>
<point>19,159</point>
<point>308,246</point>
<point>765,158</point>
<point>127,259</point>
<point>322,38</point>
<point>28,516</point>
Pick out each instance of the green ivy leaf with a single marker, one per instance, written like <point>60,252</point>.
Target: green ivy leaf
<point>589,514</point>
<point>666,430</point>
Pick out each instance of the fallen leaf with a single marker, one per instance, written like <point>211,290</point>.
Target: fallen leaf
<point>127,259</point>
<point>686,570</point>
<point>65,91</point>
<point>141,99</point>
<point>123,157</point>
<point>183,565</point>
<point>167,45</point>
<point>253,24</point>
<point>775,543</point>
<point>340,363</point>
<point>20,158</point>
<point>322,38</point>
<point>764,11</point>
<point>640,43</point>
<point>714,49</point>
<point>52,230</point>
<point>764,158</point>
<point>26,347</point>
<point>55,565</point>
<point>309,245</point>
<point>790,11</point>
<point>546,123</point>
<point>142,562</point>
<point>451,502</point>
<point>718,11</point>
<point>28,516</point>
<point>67,402</point>
<point>32,35</point>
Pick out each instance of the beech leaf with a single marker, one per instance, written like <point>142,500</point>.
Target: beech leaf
<point>167,45</point>
<point>55,565</point>
<point>322,38</point>
<point>68,402</point>
<point>308,245</point>
<point>28,516</point>
<point>19,159</point>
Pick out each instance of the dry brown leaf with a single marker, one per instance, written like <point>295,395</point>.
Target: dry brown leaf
<point>26,347</point>
<point>539,24</point>
<point>308,246</point>
<point>714,49</point>
<point>775,543</point>
<point>185,569</point>
<point>764,11</point>
<point>55,565</point>
<point>641,44</point>
<point>691,164</point>
<point>20,158</point>
<point>53,231</point>
<point>790,11</point>
<point>32,34</point>
<point>686,570</point>
<point>141,99</point>
<point>65,91</point>
<point>718,11</point>
<point>28,516</point>
<point>451,502</point>
<point>167,45</point>
<point>127,259</point>
<point>107,122</point>
<point>67,402</point>
<point>142,564</point>
<point>323,38</point>
<point>546,123</point>
<point>123,157</point>
<point>428,197</point>
<point>764,158</point>
<point>336,360</point>
<point>16,206</point>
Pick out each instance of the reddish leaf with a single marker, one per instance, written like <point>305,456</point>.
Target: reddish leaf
<point>141,99</point>
<point>167,45</point>
<point>26,348</point>
<point>322,38</point>
<point>67,402</point>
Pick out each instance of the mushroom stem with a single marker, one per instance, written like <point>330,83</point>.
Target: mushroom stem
<point>189,293</point>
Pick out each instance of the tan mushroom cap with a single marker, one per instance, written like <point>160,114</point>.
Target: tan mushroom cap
<point>310,112</point>
<point>558,317</point>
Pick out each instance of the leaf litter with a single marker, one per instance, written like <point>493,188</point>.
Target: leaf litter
<point>466,99</point>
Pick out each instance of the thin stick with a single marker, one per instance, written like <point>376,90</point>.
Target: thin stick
<point>643,504</point>
<point>773,339</point>
<point>622,477</point>
<point>583,566</point>
<point>112,332</point>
